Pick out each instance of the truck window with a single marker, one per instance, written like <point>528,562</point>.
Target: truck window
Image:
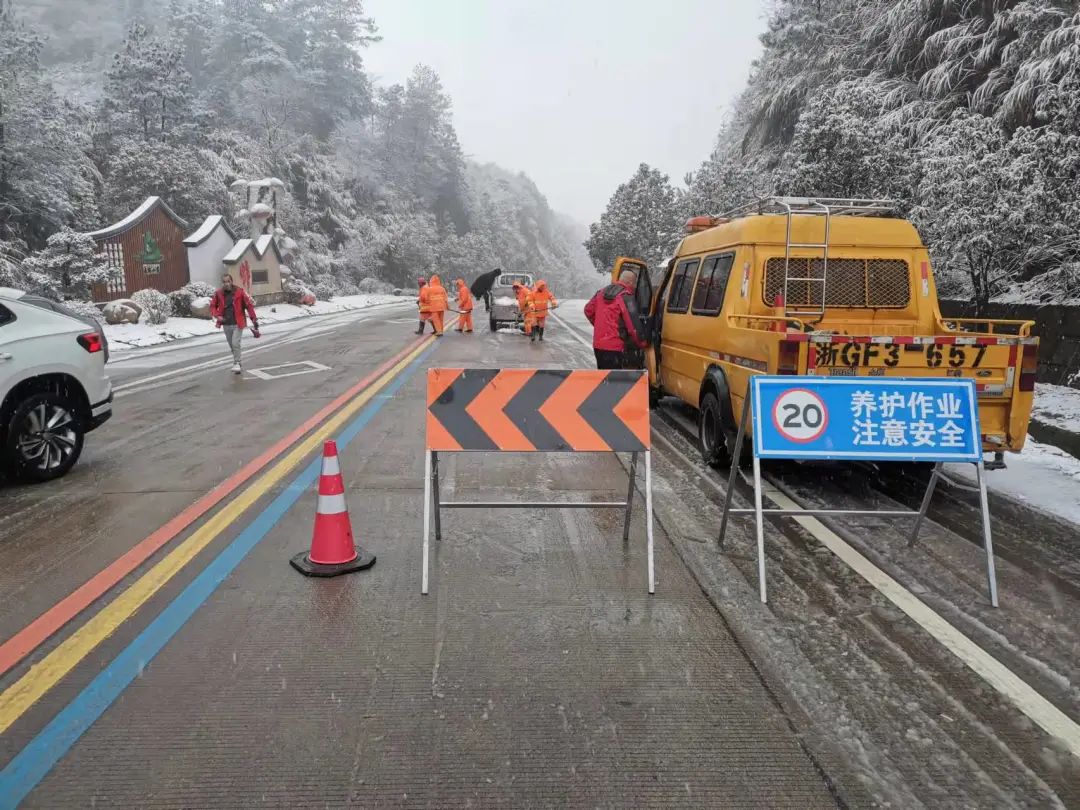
<point>682,286</point>
<point>711,283</point>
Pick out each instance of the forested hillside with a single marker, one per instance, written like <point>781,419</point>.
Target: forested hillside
<point>965,111</point>
<point>103,104</point>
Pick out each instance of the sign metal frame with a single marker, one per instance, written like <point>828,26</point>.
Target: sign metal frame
<point>752,417</point>
<point>433,503</point>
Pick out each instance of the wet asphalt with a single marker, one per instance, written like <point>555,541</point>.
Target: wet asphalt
<point>537,673</point>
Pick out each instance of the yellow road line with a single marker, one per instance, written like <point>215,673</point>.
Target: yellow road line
<point>44,675</point>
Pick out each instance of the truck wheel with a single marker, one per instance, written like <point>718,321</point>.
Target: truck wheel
<point>711,433</point>
<point>44,438</point>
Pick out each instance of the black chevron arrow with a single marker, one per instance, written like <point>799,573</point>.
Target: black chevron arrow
<point>523,410</point>
<point>450,407</point>
<point>598,410</point>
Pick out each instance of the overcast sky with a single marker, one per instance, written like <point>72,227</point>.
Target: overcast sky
<point>577,93</point>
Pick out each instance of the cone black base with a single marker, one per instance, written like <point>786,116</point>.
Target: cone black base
<point>305,566</point>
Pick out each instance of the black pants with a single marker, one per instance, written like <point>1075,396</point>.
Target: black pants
<point>607,359</point>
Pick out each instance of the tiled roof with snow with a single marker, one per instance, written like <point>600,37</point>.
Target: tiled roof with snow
<point>207,228</point>
<point>264,243</point>
<point>135,217</point>
<point>237,252</point>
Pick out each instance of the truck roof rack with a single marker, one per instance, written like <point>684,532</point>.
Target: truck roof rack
<point>812,303</point>
<point>814,206</point>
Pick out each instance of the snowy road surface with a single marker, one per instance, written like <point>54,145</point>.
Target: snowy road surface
<point>159,651</point>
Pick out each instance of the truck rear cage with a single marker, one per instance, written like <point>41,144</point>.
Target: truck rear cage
<point>826,207</point>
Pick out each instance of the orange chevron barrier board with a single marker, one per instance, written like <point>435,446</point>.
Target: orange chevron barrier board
<point>537,410</point>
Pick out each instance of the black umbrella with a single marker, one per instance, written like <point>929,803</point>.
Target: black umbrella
<point>483,284</point>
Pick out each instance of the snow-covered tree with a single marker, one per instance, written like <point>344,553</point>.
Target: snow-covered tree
<point>148,89</point>
<point>192,180</point>
<point>984,205</point>
<point>641,220</point>
<point>68,267</point>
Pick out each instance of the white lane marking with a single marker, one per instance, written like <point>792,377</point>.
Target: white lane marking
<point>306,367</point>
<point>573,332</point>
<point>148,383</point>
<point>322,326</point>
<point>1041,711</point>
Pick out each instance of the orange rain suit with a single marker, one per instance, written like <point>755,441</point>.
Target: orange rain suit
<point>538,303</point>
<point>433,297</point>
<point>523,293</point>
<point>465,307</point>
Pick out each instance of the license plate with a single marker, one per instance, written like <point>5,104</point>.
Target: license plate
<point>847,357</point>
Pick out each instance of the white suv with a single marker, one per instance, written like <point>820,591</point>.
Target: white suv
<point>53,386</point>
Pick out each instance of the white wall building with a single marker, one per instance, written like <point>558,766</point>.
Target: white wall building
<point>207,249</point>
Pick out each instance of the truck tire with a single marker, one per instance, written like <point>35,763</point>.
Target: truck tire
<point>44,438</point>
<point>712,435</point>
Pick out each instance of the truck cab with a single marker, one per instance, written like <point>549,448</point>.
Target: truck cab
<point>815,286</point>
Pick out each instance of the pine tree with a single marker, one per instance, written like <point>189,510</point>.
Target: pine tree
<point>68,267</point>
<point>147,88</point>
<point>641,220</point>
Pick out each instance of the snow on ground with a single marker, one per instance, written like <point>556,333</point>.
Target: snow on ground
<point>137,335</point>
<point>1042,476</point>
<point>1057,405</point>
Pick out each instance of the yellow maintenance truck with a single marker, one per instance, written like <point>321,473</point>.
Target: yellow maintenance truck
<point>795,285</point>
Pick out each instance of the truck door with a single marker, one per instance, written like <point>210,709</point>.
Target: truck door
<point>642,294</point>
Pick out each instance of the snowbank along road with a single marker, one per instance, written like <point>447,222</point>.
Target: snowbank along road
<point>157,650</point>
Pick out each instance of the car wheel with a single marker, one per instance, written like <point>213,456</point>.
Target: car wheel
<point>44,438</point>
<point>711,433</point>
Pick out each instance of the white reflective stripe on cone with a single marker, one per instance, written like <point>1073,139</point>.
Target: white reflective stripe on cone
<point>331,466</point>
<point>332,504</point>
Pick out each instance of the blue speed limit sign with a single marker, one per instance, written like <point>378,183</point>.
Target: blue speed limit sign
<point>866,418</point>
<point>800,415</point>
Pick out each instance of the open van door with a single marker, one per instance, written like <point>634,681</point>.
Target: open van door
<point>642,295</point>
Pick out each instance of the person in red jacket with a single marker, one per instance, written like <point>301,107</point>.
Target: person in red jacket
<point>230,307</point>
<point>613,314</point>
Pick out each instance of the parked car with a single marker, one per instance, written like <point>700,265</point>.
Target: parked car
<point>504,306</point>
<point>53,386</point>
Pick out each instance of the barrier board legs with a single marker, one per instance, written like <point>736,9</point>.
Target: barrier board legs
<point>734,469</point>
<point>427,519</point>
<point>984,509</point>
<point>433,501</point>
<point>648,518</point>
<point>925,504</point>
<point>438,500</point>
<point>759,521</point>
<point>988,544</point>
<point>630,498</point>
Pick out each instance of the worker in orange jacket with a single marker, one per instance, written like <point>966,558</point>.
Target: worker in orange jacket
<point>425,310</point>
<point>538,302</point>
<point>433,296</point>
<point>522,293</point>
<point>465,307</point>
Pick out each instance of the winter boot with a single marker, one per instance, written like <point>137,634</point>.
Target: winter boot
<point>420,331</point>
<point>541,330</point>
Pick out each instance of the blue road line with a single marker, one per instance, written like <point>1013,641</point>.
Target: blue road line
<point>26,770</point>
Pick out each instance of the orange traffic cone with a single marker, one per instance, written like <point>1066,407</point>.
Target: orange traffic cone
<point>333,551</point>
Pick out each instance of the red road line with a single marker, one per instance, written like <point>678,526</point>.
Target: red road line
<point>27,640</point>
